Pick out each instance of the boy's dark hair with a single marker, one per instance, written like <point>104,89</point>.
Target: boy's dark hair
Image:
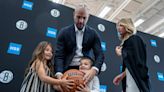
<point>87,57</point>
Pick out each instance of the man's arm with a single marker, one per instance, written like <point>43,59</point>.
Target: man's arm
<point>59,53</point>
<point>98,53</point>
<point>99,59</point>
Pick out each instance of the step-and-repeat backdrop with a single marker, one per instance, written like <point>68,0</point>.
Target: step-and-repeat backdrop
<point>24,23</point>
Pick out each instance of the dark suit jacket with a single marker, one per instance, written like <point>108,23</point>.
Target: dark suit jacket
<point>66,47</point>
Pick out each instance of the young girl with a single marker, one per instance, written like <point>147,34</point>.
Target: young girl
<point>38,74</point>
<point>94,84</point>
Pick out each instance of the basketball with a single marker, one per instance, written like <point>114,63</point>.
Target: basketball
<point>76,75</point>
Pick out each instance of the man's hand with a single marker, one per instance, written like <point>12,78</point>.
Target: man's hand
<point>89,75</point>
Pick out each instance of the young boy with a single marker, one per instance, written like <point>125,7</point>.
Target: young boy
<point>94,84</point>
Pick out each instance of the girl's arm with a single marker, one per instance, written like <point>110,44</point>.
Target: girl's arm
<point>42,75</point>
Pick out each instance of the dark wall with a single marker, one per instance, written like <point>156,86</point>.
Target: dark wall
<point>17,45</point>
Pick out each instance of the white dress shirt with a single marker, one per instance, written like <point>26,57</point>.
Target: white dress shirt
<point>78,52</point>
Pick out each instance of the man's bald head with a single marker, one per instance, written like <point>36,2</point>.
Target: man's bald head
<point>81,15</point>
<point>81,7</point>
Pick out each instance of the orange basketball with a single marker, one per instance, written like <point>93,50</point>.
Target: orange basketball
<point>76,75</point>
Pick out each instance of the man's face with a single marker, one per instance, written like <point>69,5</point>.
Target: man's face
<point>80,18</point>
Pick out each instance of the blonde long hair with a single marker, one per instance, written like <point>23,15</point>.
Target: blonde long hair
<point>39,54</point>
<point>129,27</point>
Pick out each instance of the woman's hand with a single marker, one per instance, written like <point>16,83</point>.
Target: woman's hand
<point>119,78</point>
<point>118,50</point>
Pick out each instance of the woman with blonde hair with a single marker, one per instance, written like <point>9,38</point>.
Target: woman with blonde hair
<point>134,74</point>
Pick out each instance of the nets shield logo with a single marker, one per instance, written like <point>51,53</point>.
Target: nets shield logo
<point>156,58</point>
<point>6,76</point>
<point>27,5</point>
<point>21,25</point>
<point>51,32</point>
<point>14,48</point>
<point>55,13</point>
<point>103,88</point>
<point>101,27</point>
<point>103,67</point>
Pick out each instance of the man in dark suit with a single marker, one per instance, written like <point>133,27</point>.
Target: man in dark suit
<point>75,41</point>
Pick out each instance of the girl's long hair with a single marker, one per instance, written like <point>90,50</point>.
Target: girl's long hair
<point>39,54</point>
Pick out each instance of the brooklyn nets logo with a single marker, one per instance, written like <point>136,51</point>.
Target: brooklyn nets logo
<point>21,25</point>
<point>101,27</point>
<point>55,13</point>
<point>156,58</point>
<point>6,76</point>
